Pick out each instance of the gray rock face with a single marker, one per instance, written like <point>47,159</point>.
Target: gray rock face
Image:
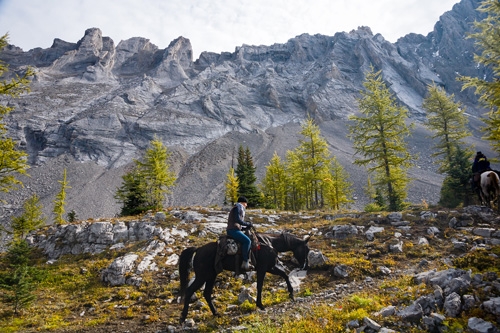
<point>98,103</point>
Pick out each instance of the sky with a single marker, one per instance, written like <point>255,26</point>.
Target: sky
<point>212,25</point>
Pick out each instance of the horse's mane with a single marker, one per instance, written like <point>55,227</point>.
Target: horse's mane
<point>285,241</point>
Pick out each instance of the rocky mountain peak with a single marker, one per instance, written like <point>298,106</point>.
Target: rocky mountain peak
<point>91,41</point>
<point>91,60</point>
<point>97,104</point>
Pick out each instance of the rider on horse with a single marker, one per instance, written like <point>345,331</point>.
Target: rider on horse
<point>235,222</point>
<point>480,165</point>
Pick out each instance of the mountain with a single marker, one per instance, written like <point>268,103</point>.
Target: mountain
<point>94,106</point>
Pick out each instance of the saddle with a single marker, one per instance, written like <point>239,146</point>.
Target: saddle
<point>226,245</point>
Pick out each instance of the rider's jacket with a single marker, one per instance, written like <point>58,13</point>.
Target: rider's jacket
<point>236,218</point>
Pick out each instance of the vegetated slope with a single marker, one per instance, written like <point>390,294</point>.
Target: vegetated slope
<point>73,299</point>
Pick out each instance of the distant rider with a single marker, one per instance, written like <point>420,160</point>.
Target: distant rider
<point>235,222</point>
<point>480,165</point>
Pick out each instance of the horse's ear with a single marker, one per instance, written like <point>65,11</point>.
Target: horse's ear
<point>306,238</point>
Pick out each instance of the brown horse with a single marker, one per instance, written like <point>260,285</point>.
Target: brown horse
<point>490,188</point>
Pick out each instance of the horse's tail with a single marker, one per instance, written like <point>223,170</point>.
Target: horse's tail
<point>184,267</point>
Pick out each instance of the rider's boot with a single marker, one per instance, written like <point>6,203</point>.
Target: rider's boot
<point>245,266</point>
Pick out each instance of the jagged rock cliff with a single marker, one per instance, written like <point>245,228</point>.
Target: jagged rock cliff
<point>94,106</point>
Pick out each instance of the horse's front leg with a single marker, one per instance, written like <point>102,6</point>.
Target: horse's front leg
<point>261,274</point>
<point>280,272</point>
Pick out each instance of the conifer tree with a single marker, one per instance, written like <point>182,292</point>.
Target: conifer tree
<point>18,288</point>
<point>71,216</point>
<point>245,170</point>
<point>132,193</point>
<point>148,183</point>
<point>375,194</point>
<point>60,200</point>
<point>297,187</point>
<point>337,188</point>
<point>18,281</point>
<point>274,185</point>
<point>157,177</point>
<point>456,189</point>
<point>314,159</point>
<point>448,122</point>
<point>231,186</point>
<point>488,41</point>
<point>378,135</point>
<point>30,220</point>
<point>12,161</point>
<point>309,178</point>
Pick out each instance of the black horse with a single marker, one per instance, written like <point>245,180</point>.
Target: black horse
<point>284,242</point>
<point>203,263</point>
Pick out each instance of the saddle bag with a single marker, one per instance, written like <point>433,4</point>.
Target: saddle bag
<point>227,246</point>
<point>231,246</point>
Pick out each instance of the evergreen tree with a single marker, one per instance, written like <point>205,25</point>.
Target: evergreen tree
<point>132,194</point>
<point>245,170</point>
<point>30,220</point>
<point>18,280</point>
<point>456,189</point>
<point>60,201</point>
<point>148,183</point>
<point>241,170</point>
<point>274,185</point>
<point>378,135</point>
<point>448,122</point>
<point>12,162</point>
<point>18,253</point>
<point>71,216</point>
<point>231,186</point>
<point>18,288</point>
<point>488,41</point>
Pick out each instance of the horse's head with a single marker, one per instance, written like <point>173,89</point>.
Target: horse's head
<point>301,252</point>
